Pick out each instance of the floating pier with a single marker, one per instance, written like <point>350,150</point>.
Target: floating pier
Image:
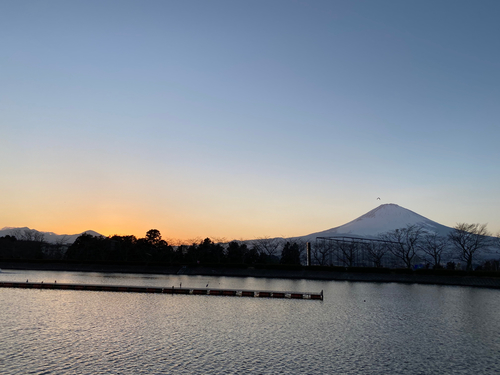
<point>172,290</point>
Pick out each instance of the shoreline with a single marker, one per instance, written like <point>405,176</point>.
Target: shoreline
<point>320,275</point>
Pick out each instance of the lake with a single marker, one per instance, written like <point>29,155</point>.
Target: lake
<point>359,328</point>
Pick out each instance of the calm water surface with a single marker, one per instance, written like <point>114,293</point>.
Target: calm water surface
<point>360,328</point>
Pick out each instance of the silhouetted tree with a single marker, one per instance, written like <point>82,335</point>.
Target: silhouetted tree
<point>153,237</point>
<point>268,249</point>
<point>321,253</point>
<point>468,240</point>
<point>451,266</point>
<point>404,242</point>
<point>375,251</point>
<point>489,265</point>
<point>252,256</point>
<point>151,249</point>
<point>301,246</point>
<point>123,248</point>
<point>179,254</point>
<point>144,251</point>
<point>433,246</point>
<point>7,246</point>
<point>213,252</point>
<point>290,254</point>
<point>205,252</point>
<point>347,251</point>
<point>236,253</point>
<point>23,244</point>
<point>192,254</point>
<point>57,249</point>
<point>88,248</point>
<point>8,238</point>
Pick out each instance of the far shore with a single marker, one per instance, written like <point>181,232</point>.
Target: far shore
<point>391,276</point>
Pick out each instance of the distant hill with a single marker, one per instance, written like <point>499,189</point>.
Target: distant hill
<point>48,236</point>
<point>384,218</point>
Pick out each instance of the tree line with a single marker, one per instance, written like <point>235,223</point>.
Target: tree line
<point>413,245</point>
<point>151,249</point>
<point>403,247</point>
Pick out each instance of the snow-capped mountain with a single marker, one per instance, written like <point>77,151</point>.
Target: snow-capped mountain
<point>47,236</point>
<point>384,218</point>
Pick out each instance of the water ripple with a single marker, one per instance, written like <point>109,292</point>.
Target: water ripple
<point>360,328</point>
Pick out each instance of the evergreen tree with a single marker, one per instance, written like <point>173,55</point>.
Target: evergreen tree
<point>290,254</point>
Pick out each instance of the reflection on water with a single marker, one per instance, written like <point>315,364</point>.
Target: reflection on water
<point>359,328</point>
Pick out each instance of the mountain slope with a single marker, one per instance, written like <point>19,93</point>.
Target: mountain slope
<point>48,236</point>
<point>384,218</point>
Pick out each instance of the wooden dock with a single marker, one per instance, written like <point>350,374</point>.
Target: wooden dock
<point>172,290</point>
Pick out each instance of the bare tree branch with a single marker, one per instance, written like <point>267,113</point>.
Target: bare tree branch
<point>376,252</point>
<point>469,240</point>
<point>321,252</point>
<point>433,246</point>
<point>268,246</point>
<point>404,243</point>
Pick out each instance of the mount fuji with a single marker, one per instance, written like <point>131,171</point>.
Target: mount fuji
<point>384,218</point>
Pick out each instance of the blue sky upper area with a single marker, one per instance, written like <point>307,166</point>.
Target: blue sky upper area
<point>246,119</point>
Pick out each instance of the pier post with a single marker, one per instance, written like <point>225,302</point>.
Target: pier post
<point>308,253</point>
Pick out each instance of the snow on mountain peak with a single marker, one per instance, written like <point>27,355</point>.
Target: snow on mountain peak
<point>382,219</point>
<point>50,237</point>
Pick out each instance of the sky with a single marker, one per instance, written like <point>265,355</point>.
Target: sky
<point>246,119</point>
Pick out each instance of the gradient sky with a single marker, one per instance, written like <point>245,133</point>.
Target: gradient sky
<point>233,119</point>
